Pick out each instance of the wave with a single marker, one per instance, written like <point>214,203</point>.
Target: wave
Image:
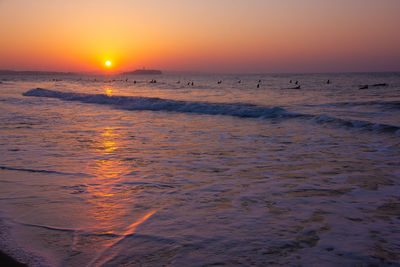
<point>42,171</point>
<point>243,110</point>
<point>159,104</point>
<point>395,105</point>
<point>358,124</point>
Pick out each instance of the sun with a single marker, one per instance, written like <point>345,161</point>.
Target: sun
<point>108,63</point>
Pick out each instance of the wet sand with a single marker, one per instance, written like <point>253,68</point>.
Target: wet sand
<point>8,261</point>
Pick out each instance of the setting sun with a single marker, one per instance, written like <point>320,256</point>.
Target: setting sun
<point>108,63</point>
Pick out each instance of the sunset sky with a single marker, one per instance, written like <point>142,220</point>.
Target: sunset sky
<point>259,36</point>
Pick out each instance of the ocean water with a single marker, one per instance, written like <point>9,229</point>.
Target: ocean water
<point>117,171</point>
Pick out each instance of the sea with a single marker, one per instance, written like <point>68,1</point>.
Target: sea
<point>200,169</point>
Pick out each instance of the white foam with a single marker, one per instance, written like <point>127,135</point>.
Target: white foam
<point>158,104</point>
<point>243,110</point>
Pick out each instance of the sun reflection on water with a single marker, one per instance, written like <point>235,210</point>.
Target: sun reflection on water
<point>110,203</point>
<point>108,91</point>
<point>104,255</point>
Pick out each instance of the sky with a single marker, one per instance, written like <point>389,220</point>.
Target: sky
<point>232,36</point>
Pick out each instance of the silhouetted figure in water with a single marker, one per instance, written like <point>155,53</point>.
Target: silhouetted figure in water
<point>126,80</point>
<point>259,81</point>
<point>290,81</point>
<point>134,82</point>
<point>188,83</point>
<point>328,82</point>
<point>297,82</point>
<point>192,83</point>
<point>258,85</point>
<point>239,81</point>
<point>219,82</point>
<point>178,82</point>
<point>380,84</point>
<point>291,88</point>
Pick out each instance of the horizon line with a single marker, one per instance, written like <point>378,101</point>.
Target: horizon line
<point>193,72</point>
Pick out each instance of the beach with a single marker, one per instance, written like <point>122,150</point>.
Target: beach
<point>8,261</point>
<point>200,170</point>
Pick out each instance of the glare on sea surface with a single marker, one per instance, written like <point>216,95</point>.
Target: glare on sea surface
<point>108,91</point>
<point>107,199</point>
<point>110,203</point>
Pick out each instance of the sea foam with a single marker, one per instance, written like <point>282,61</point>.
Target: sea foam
<point>159,104</point>
<point>243,110</point>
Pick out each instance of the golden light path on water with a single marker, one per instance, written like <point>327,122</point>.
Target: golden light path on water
<point>108,91</point>
<point>108,205</point>
<point>98,261</point>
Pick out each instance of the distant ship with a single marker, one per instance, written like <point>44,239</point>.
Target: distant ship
<point>143,72</point>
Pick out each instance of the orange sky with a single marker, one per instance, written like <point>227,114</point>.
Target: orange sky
<point>207,35</point>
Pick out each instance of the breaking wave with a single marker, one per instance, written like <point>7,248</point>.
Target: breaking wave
<point>158,104</point>
<point>41,171</point>
<point>394,105</point>
<point>358,124</point>
<point>242,110</point>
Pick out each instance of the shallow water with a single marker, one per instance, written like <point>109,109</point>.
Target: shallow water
<point>100,171</point>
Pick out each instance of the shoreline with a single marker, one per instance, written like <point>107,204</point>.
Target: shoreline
<point>9,261</point>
